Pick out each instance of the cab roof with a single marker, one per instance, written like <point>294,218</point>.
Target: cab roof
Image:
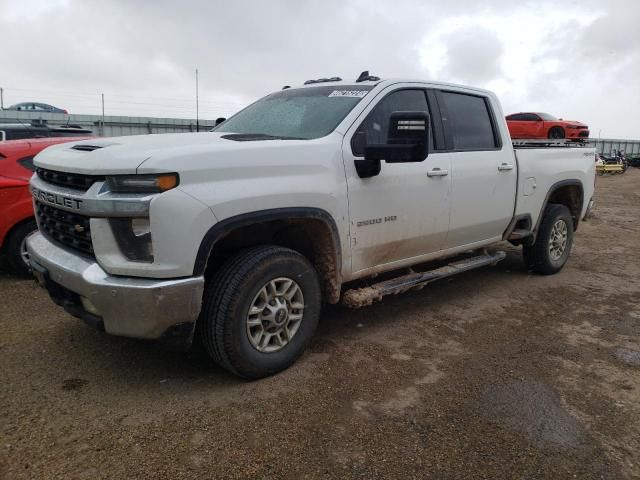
<point>365,78</point>
<point>391,81</point>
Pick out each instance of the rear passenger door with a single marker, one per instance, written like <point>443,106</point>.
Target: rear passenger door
<point>483,170</point>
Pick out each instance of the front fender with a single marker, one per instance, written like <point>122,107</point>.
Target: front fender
<point>224,227</point>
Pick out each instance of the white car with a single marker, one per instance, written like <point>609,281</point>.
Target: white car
<point>240,234</point>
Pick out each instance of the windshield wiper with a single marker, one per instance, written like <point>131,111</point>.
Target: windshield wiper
<point>249,137</point>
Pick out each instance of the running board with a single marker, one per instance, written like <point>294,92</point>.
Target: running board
<point>362,297</point>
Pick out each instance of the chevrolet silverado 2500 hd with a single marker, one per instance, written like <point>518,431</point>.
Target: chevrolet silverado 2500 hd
<point>236,236</point>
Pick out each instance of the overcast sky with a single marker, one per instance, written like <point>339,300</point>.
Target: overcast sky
<point>578,60</point>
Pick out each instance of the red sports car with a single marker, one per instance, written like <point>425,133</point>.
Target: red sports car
<point>543,125</point>
<point>16,207</point>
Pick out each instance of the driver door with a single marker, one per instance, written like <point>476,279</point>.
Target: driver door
<point>403,212</point>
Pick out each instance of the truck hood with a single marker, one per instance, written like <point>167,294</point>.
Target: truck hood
<point>127,155</point>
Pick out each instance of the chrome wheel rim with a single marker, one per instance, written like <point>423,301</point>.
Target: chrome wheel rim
<point>275,315</point>
<point>24,253</point>
<point>558,240</point>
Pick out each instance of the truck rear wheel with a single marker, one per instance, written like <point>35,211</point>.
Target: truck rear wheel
<point>16,247</point>
<point>553,242</point>
<point>260,310</point>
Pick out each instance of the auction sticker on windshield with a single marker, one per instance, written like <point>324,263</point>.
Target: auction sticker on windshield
<point>349,93</point>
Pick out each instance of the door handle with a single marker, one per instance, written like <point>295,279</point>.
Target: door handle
<point>503,167</point>
<point>437,172</point>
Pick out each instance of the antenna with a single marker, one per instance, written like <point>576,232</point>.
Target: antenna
<point>102,97</point>
<point>197,105</point>
<point>364,76</point>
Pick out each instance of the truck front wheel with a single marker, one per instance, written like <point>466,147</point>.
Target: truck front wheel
<point>553,242</point>
<point>260,309</point>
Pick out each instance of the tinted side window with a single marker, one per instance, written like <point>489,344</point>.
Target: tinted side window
<point>27,162</point>
<point>376,125</point>
<point>470,121</point>
<point>531,117</point>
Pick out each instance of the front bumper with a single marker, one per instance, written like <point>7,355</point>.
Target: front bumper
<point>124,306</point>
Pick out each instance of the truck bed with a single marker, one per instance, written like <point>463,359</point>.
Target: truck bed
<point>544,142</point>
<point>538,172</point>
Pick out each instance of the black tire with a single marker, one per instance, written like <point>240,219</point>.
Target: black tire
<point>14,245</point>
<point>528,255</point>
<point>222,326</point>
<point>556,132</point>
<point>538,257</point>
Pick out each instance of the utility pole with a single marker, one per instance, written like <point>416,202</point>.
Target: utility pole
<point>102,129</point>
<point>1,98</point>
<point>197,105</point>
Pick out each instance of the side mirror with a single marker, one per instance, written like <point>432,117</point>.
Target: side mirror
<point>407,141</point>
<point>219,120</point>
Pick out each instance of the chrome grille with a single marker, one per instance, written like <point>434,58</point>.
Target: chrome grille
<point>67,228</point>
<point>70,180</point>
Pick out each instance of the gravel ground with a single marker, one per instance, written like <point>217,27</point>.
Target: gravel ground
<point>494,374</point>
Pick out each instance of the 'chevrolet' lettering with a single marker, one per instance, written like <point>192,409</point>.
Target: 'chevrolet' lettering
<point>55,199</point>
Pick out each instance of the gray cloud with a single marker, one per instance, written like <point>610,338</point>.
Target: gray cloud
<point>142,54</point>
<point>473,55</point>
<point>598,71</point>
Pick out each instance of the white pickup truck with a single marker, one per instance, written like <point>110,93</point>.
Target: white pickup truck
<point>236,237</point>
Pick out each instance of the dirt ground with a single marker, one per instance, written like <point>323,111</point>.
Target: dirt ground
<point>494,374</point>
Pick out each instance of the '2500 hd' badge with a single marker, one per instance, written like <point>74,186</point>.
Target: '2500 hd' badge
<point>55,199</point>
<point>373,221</point>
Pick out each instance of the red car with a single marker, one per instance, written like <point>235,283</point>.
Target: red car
<point>543,125</point>
<point>16,208</point>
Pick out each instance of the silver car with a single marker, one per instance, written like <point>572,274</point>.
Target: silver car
<point>36,107</point>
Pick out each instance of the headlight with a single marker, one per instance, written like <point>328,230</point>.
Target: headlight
<point>154,183</point>
<point>133,236</point>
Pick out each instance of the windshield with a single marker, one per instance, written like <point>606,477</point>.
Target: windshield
<point>547,118</point>
<point>303,113</point>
